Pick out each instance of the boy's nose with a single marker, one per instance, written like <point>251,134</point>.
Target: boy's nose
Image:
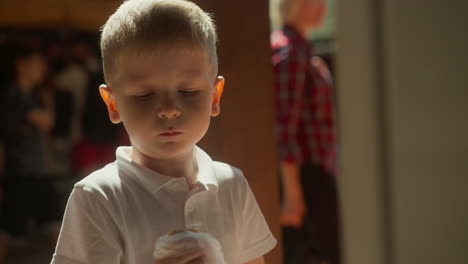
<point>169,112</point>
<point>167,107</point>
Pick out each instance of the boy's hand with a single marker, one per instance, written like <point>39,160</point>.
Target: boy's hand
<point>195,257</point>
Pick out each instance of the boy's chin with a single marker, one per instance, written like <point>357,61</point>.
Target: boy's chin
<point>172,150</point>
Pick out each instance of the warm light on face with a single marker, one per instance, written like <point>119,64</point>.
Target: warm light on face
<point>165,99</point>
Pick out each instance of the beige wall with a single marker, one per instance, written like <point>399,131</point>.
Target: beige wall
<point>426,65</point>
<point>360,134</point>
<point>403,98</point>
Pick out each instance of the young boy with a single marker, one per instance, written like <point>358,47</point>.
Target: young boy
<point>160,66</point>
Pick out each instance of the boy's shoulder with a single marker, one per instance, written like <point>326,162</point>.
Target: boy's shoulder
<point>217,172</point>
<point>102,180</point>
<point>229,177</point>
<point>225,170</point>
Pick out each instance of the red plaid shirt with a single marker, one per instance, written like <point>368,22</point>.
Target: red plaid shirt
<point>304,102</point>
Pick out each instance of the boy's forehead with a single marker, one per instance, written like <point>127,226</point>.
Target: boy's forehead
<point>139,64</point>
<point>145,51</point>
<point>143,55</point>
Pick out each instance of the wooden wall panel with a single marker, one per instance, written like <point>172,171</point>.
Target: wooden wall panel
<point>243,134</point>
<point>75,15</point>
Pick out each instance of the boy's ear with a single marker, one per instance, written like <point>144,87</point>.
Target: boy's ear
<point>218,91</point>
<point>109,100</point>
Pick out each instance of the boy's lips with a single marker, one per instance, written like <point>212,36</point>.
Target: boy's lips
<point>170,133</point>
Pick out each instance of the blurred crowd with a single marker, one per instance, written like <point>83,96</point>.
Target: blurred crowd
<point>54,126</point>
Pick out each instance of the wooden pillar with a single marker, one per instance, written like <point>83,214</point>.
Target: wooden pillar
<point>243,135</point>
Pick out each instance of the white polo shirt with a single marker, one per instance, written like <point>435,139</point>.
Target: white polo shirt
<point>116,214</point>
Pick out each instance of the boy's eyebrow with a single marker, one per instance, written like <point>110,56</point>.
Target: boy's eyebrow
<point>135,77</point>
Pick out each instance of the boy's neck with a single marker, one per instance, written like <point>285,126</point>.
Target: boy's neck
<point>183,166</point>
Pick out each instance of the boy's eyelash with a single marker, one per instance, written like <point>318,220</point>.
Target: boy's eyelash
<point>144,95</point>
<point>188,92</point>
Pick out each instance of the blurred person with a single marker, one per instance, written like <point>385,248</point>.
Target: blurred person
<point>99,138</point>
<point>306,137</point>
<point>83,139</point>
<point>73,78</point>
<point>26,119</point>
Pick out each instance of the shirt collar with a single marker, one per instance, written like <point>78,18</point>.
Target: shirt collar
<point>153,181</point>
<point>206,171</point>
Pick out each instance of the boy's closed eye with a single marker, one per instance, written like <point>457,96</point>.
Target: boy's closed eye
<point>144,95</point>
<point>188,92</point>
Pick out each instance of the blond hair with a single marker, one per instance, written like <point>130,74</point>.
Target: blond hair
<point>149,23</point>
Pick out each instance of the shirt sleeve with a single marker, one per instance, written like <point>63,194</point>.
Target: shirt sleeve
<point>323,106</point>
<point>89,233</point>
<point>290,77</point>
<point>255,236</point>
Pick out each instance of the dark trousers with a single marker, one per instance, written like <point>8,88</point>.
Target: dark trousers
<point>27,200</point>
<point>318,239</point>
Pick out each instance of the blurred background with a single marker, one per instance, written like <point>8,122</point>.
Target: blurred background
<point>400,75</point>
